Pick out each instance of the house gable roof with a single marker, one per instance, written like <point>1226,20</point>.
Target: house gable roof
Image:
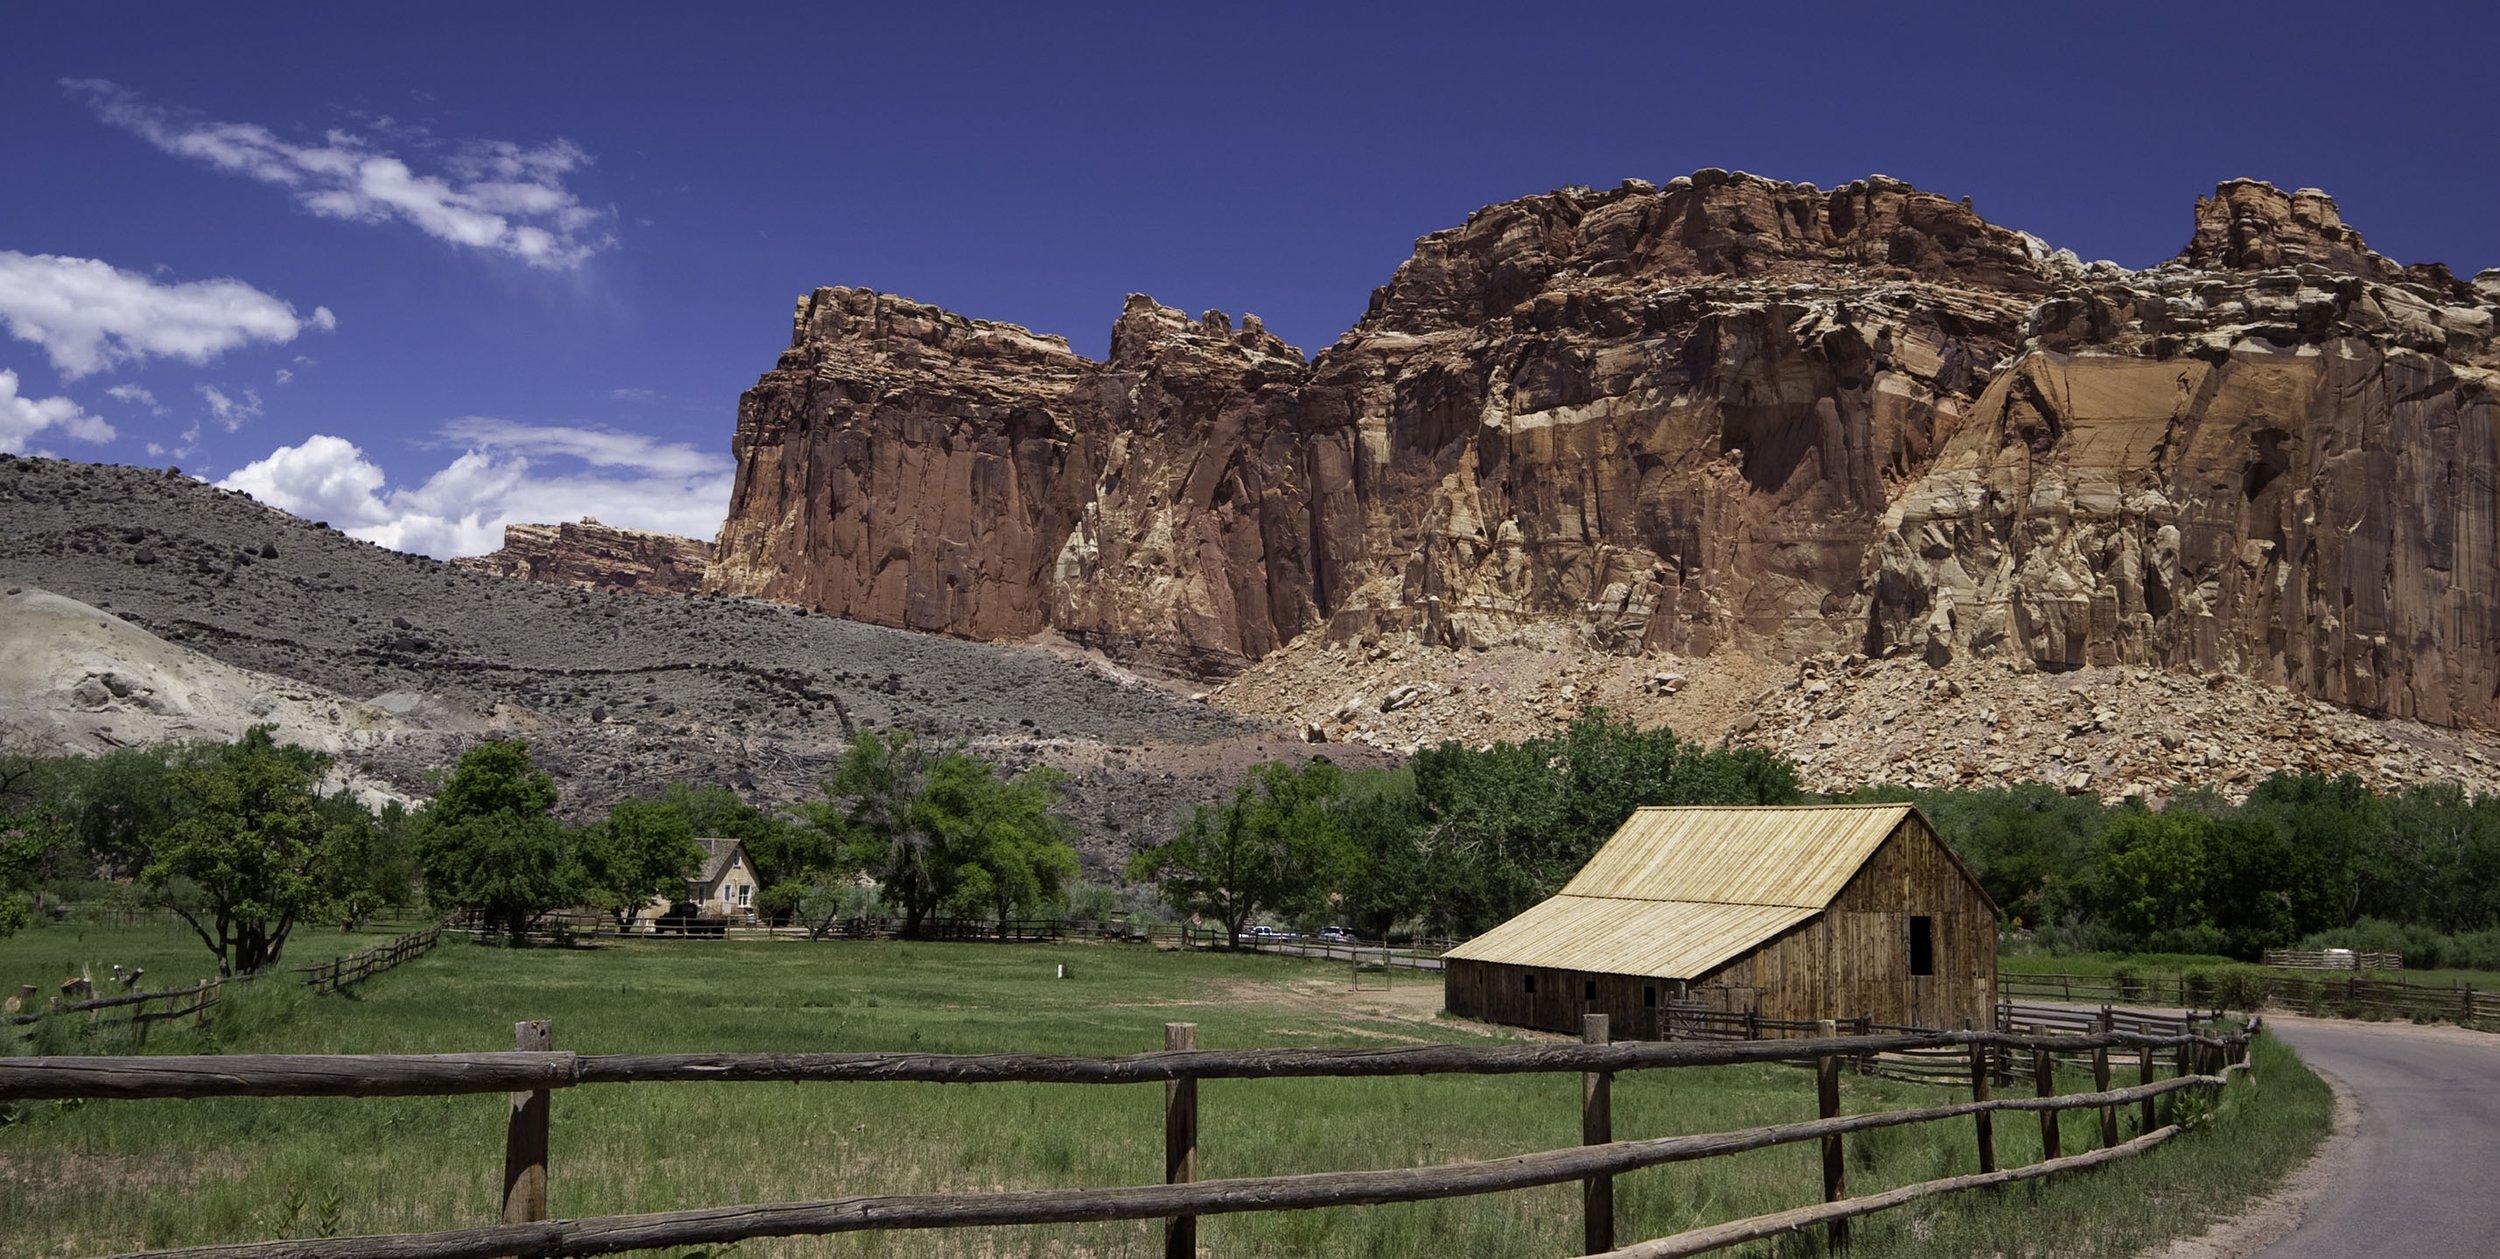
<point>1678,891</point>
<point>718,856</point>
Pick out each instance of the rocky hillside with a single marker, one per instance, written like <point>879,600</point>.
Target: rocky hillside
<point>1726,420</point>
<point>140,604</point>
<point>587,555</point>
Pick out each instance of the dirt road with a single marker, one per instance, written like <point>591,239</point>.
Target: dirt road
<point>2416,1179</point>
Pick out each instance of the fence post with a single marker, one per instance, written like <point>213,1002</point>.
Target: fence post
<point>525,1136</point>
<point>1983,1121</point>
<point>2144,1075</point>
<point>2044,1079</point>
<point>1180,1143</point>
<point>1597,1127</point>
<point>2100,1080</point>
<point>1827,1103</point>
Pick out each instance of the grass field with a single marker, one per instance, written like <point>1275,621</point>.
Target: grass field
<point>85,1179</point>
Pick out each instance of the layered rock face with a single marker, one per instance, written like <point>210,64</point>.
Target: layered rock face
<point>587,555</point>
<point>1722,413</point>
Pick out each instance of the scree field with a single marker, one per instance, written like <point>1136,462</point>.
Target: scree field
<point>99,1177</point>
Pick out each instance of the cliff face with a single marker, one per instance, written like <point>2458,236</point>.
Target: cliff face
<point>1727,412</point>
<point>587,555</point>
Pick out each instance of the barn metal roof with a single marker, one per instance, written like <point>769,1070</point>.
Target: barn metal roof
<point>1666,939</point>
<point>1758,855</point>
<point>1677,891</point>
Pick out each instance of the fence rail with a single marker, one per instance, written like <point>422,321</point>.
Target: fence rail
<point>531,1075</point>
<point>194,1002</point>
<point>2333,959</point>
<point>2249,989</point>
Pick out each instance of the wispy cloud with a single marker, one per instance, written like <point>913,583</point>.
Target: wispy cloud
<point>633,395</point>
<point>600,448</point>
<point>525,474</point>
<point>229,410</point>
<point>492,195</point>
<point>21,418</point>
<point>89,315</point>
<point>135,395</point>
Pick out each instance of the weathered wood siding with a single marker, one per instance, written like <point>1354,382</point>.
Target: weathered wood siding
<point>1852,959</point>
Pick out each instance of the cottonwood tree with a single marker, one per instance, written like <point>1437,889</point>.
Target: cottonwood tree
<point>1011,852</point>
<point>490,844</point>
<point>934,827</point>
<point>644,849</point>
<point>253,846</point>
<point>1274,846</point>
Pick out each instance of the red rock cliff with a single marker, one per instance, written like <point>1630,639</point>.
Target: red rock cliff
<point>1725,412</point>
<point>588,555</point>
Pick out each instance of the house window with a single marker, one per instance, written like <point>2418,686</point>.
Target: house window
<point>1527,984</point>
<point>746,894</point>
<point>1922,946</point>
<point>1649,996</point>
<point>1588,990</point>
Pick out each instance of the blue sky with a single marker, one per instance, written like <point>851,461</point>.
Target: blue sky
<point>419,270</point>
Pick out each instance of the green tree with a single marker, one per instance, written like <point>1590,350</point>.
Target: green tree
<point>1011,853</point>
<point>1274,846</point>
<point>872,815</point>
<point>644,849</point>
<point>490,844</point>
<point>253,846</point>
<point>936,828</point>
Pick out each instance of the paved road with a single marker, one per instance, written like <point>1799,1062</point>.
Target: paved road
<point>2423,1174</point>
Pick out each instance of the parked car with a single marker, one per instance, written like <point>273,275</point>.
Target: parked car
<point>1336,935</point>
<point>1262,932</point>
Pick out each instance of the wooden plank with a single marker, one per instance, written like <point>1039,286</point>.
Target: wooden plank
<point>1835,1169</point>
<point>1737,1232</point>
<point>1597,1127</point>
<point>1984,1122</point>
<point>412,1075</point>
<point>2044,1079</point>
<point>1180,1143</point>
<point>525,1136</point>
<point>551,1238</point>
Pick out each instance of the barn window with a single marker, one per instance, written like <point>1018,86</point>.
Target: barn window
<point>1527,984</point>
<point>1649,996</point>
<point>1922,946</point>
<point>1588,990</point>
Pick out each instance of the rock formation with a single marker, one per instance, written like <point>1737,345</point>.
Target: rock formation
<point>587,555</point>
<point>1726,413</point>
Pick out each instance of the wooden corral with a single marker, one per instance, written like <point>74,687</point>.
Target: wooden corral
<point>1791,914</point>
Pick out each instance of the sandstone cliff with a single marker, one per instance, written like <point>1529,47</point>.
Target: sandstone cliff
<point>1723,414</point>
<point>587,555</point>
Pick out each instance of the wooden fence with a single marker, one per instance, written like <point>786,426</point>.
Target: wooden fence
<point>2249,989</point>
<point>139,1009</point>
<point>347,972</point>
<point>2333,959</point>
<point>531,1073</point>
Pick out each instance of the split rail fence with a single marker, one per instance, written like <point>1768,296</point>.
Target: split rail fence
<point>2247,989</point>
<point>2333,959</point>
<point>531,1073</point>
<point>142,1010</point>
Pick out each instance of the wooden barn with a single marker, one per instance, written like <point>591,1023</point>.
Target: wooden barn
<point>1801,913</point>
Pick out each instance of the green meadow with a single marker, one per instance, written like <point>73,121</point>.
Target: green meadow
<point>99,1177</point>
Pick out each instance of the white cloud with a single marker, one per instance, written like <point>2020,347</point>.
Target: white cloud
<point>462,508</point>
<point>633,395</point>
<point>231,411</point>
<point>21,418</point>
<point>284,375</point>
<point>600,448</point>
<point>135,395</point>
<point>493,195</point>
<point>88,315</point>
